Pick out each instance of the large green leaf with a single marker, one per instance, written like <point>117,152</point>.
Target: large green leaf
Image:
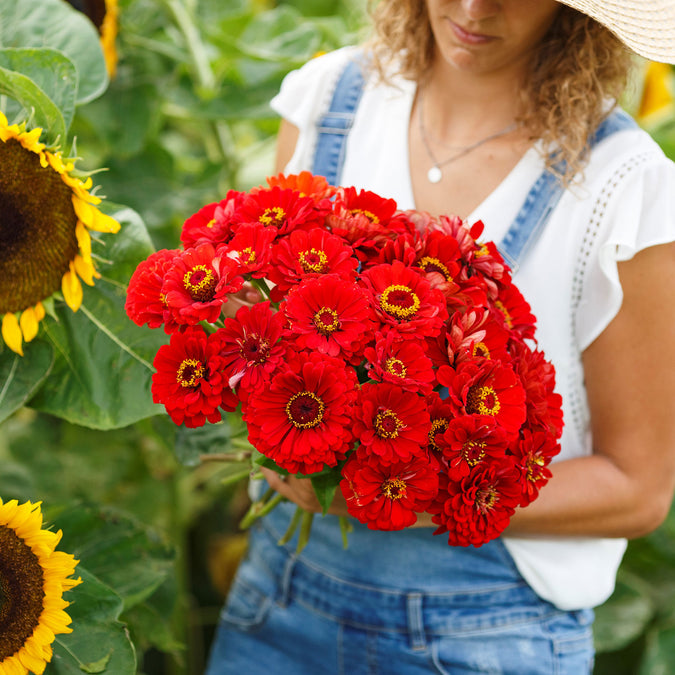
<point>117,549</point>
<point>55,24</point>
<point>45,112</point>
<point>102,374</point>
<point>99,642</point>
<point>21,376</point>
<point>660,653</point>
<point>52,71</point>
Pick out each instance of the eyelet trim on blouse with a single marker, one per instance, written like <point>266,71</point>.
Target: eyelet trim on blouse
<point>578,407</point>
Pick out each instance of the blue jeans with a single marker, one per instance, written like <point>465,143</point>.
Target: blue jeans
<point>318,615</point>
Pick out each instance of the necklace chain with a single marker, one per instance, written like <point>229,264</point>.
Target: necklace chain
<point>434,175</point>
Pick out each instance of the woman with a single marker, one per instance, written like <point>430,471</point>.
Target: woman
<point>466,104</point>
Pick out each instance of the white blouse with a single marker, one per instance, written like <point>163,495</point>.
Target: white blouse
<point>626,203</point>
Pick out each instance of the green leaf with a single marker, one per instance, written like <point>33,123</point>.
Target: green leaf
<point>118,550</point>
<point>21,376</point>
<point>32,98</point>
<point>659,656</point>
<point>55,24</point>
<point>325,485</point>
<point>52,71</point>
<point>99,642</point>
<point>102,375</point>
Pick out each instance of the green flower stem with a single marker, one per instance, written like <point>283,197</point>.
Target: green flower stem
<point>226,457</point>
<point>292,527</point>
<point>345,528</point>
<point>261,508</point>
<point>305,530</point>
<point>261,285</point>
<point>235,477</point>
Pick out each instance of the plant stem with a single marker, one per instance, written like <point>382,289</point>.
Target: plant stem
<point>292,527</point>
<point>345,528</point>
<point>305,530</point>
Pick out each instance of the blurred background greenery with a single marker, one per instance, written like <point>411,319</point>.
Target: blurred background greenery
<point>151,515</point>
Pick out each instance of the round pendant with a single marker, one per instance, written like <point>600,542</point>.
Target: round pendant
<point>434,174</point>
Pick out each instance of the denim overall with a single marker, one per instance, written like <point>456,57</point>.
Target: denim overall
<point>395,602</point>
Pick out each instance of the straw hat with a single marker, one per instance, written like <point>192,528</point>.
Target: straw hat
<point>646,26</point>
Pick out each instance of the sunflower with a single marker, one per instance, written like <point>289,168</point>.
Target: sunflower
<point>45,217</point>
<point>103,14</point>
<point>33,577</point>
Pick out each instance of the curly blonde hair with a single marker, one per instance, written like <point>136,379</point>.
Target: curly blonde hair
<point>577,67</point>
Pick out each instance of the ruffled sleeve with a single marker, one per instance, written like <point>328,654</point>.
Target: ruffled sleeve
<point>633,210</point>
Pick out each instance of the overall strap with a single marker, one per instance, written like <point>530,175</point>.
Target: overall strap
<point>544,197</point>
<point>334,126</point>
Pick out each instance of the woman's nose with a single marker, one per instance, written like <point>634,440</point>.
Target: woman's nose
<point>476,10</point>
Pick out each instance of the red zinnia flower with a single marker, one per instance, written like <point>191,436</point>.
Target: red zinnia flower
<point>533,453</point>
<point>399,361</point>
<point>190,380</point>
<point>478,508</point>
<point>251,249</point>
<point>439,258</point>
<point>249,345</point>
<point>441,414</point>
<point>303,419</point>
<point>391,423</point>
<point>476,334</point>
<point>388,497</point>
<point>514,311</point>
<point>537,375</point>
<point>470,441</point>
<point>213,223</point>
<point>198,284</point>
<point>307,184</point>
<point>145,302</point>
<point>404,300</point>
<point>285,210</point>
<point>331,316</point>
<point>309,254</point>
<point>486,388</point>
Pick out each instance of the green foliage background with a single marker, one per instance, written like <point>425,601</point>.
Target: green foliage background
<point>151,510</point>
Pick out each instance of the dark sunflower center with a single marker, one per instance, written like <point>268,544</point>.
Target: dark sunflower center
<point>399,301</point>
<point>200,282</point>
<point>387,424</point>
<point>37,228</point>
<point>313,260</point>
<point>254,349</point>
<point>394,488</point>
<point>482,401</point>
<point>94,9</point>
<point>21,592</point>
<point>305,410</point>
<point>326,321</point>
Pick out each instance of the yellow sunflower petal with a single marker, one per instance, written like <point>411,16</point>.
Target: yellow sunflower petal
<point>29,324</point>
<point>7,510</point>
<point>83,239</point>
<point>11,333</point>
<point>104,223</point>
<point>39,311</point>
<point>31,662</point>
<point>85,270</point>
<point>12,666</point>
<point>72,289</point>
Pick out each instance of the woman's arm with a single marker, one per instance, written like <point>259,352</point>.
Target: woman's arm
<point>286,142</point>
<point>626,487</point>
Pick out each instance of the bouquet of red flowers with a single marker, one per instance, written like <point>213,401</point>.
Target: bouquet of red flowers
<point>393,356</point>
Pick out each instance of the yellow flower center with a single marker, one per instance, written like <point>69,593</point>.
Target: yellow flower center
<point>313,260</point>
<point>211,223</point>
<point>429,264</point>
<point>21,592</point>
<point>505,312</point>
<point>190,372</point>
<point>247,256</point>
<point>273,216</point>
<point>399,301</point>
<point>387,424</point>
<point>473,452</point>
<point>481,349</point>
<point>486,498</point>
<point>482,251</point>
<point>326,321</point>
<point>393,488</point>
<point>395,367</point>
<point>200,282</point>
<point>305,410</point>
<point>254,349</point>
<point>438,426</point>
<point>534,467</point>
<point>482,401</point>
<point>368,214</point>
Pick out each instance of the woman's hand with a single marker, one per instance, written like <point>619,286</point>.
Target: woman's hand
<point>247,296</point>
<point>301,492</point>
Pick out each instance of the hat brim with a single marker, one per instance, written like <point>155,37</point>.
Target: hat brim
<point>645,26</point>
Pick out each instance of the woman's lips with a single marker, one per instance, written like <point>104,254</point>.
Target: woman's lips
<point>469,38</point>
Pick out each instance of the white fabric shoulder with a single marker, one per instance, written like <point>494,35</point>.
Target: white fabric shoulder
<point>305,93</point>
<point>632,185</point>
